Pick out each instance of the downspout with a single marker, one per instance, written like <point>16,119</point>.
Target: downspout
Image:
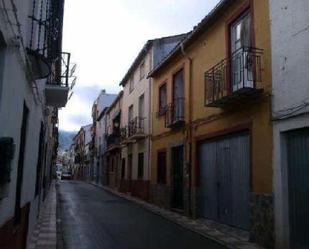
<point>188,138</point>
<point>150,123</point>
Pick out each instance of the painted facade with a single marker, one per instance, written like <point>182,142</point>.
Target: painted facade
<point>290,121</point>
<point>88,151</point>
<point>218,104</point>
<point>100,106</point>
<point>112,157</point>
<point>136,116</point>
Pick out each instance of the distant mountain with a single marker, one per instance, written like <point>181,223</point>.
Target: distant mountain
<point>65,139</point>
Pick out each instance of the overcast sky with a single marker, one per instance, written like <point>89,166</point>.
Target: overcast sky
<point>104,38</point>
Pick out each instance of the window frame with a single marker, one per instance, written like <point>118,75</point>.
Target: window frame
<point>162,109</point>
<point>131,107</point>
<point>246,7</point>
<point>131,84</point>
<point>140,98</point>
<point>142,71</point>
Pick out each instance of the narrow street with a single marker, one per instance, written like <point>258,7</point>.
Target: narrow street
<point>95,219</point>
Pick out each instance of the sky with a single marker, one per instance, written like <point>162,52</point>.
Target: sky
<point>104,37</point>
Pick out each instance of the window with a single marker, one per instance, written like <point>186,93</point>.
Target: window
<point>178,97</point>
<point>162,99</point>
<point>130,113</point>
<point>131,86</point>
<point>161,167</point>
<point>241,60</point>
<point>140,170</point>
<point>141,106</point>
<point>142,71</point>
<point>123,168</point>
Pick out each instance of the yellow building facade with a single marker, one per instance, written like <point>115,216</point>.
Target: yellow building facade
<point>211,128</point>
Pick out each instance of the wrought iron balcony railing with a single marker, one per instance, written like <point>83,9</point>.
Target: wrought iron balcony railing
<point>175,113</point>
<point>136,126</point>
<point>124,133</point>
<point>134,130</point>
<point>113,139</point>
<point>58,84</point>
<point>61,70</point>
<point>234,79</point>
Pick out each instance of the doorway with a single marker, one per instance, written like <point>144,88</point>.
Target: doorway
<point>177,177</point>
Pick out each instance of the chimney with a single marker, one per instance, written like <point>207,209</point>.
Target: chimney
<point>103,91</point>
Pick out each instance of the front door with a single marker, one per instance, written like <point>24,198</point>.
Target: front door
<point>130,165</point>
<point>241,68</point>
<point>177,174</point>
<point>298,186</point>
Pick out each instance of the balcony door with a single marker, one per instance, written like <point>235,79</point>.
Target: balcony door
<point>130,121</point>
<point>241,66</point>
<point>178,96</point>
<point>141,114</point>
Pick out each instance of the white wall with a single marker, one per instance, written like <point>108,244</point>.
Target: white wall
<point>290,54</point>
<point>290,64</point>
<point>132,98</point>
<point>15,90</point>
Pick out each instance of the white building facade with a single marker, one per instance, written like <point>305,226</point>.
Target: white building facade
<point>100,106</point>
<point>28,112</point>
<point>136,116</point>
<point>290,63</point>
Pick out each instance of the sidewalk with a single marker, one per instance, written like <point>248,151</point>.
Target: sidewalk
<point>45,233</point>
<point>225,235</point>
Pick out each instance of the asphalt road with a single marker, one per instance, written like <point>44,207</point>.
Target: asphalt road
<point>95,219</point>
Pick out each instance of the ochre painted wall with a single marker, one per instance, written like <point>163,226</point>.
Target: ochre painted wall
<point>209,49</point>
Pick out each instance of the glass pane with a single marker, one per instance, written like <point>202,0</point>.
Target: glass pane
<point>238,30</point>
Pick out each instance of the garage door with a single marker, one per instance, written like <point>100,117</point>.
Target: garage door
<point>225,180</point>
<point>298,182</point>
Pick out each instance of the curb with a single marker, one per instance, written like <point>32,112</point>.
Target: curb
<point>159,212</point>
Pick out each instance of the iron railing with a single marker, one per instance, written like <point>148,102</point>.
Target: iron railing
<point>136,126</point>
<point>175,112</point>
<point>61,72</point>
<point>113,139</point>
<point>242,70</point>
<point>46,28</point>
<point>124,133</point>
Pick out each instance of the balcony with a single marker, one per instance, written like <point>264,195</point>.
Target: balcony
<point>234,80</point>
<point>113,141</point>
<point>175,114</point>
<point>57,87</point>
<point>124,136</point>
<point>136,128</point>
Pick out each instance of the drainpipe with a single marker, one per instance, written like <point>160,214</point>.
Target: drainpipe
<point>188,138</point>
<point>150,124</point>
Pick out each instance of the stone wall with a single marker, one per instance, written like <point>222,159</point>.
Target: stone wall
<point>160,195</point>
<point>262,220</point>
